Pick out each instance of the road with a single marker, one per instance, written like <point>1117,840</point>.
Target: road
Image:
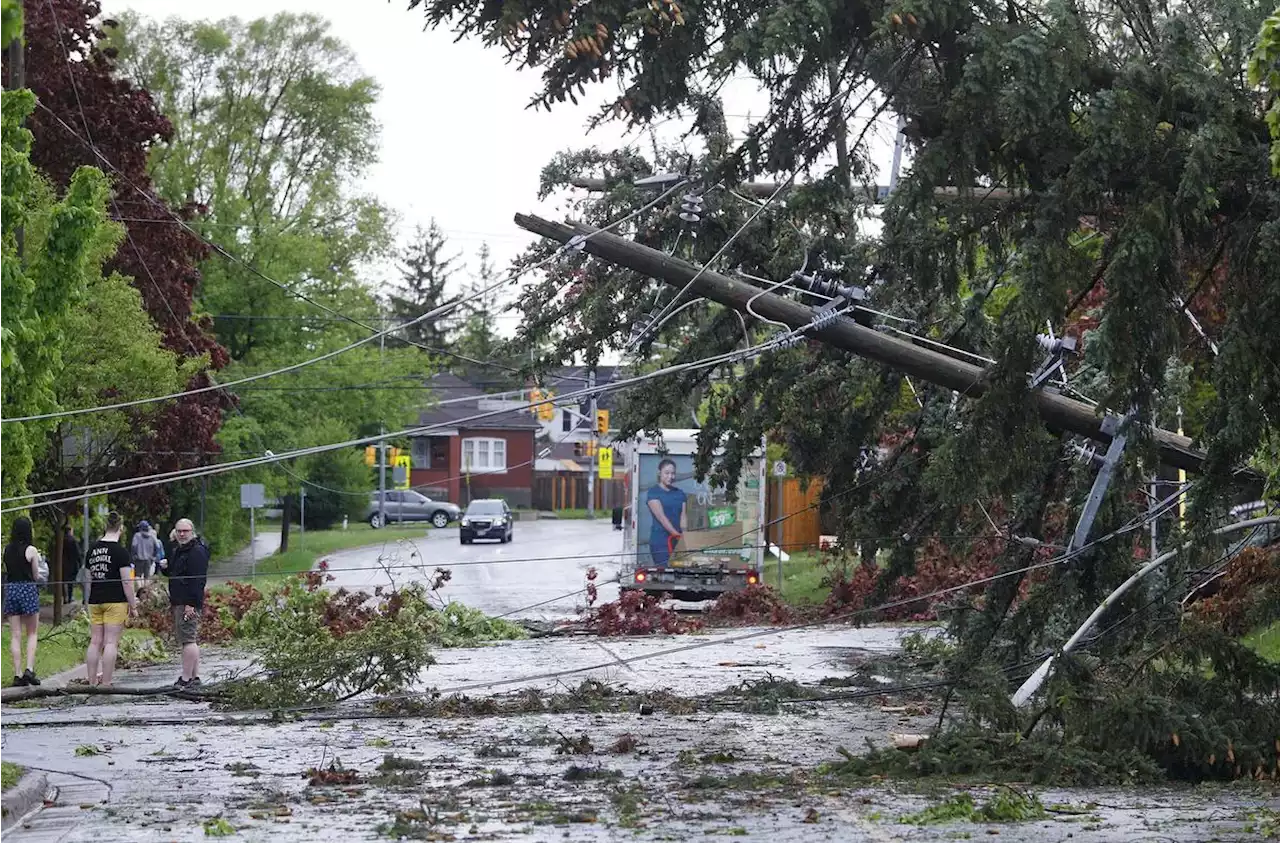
<point>541,574</point>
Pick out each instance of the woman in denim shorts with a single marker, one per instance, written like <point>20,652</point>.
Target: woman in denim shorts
<point>22,599</point>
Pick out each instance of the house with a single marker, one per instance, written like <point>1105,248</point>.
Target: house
<point>564,459</point>
<point>466,458</point>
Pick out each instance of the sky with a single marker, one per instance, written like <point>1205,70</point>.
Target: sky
<point>457,141</point>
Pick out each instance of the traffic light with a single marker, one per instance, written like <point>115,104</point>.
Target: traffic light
<point>546,411</point>
<point>535,398</point>
<point>602,422</point>
<point>370,455</point>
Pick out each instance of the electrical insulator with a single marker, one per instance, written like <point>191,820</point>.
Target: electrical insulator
<point>576,243</point>
<point>691,209</point>
<point>1056,345</point>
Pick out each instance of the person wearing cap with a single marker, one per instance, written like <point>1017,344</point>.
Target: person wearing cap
<point>142,551</point>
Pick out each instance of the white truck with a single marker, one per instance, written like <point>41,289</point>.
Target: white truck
<point>688,539</point>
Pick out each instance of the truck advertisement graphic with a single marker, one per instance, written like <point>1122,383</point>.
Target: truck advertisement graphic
<point>689,539</point>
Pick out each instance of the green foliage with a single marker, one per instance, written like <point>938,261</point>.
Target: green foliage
<point>218,827</point>
<point>10,774</point>
<point>425,272</point>
<point>1006,806</point>
<point>64,242</point>
<point>458,625</point>
<point>10,21</point>
<point>1264,72</point>
<point>309,653</point>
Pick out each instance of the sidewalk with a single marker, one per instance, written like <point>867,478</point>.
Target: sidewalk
<point>241,564</point>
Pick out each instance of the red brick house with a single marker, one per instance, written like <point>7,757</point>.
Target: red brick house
<point>466,459</point>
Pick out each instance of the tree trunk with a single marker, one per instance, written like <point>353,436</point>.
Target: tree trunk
<point>285,517</point>
<point>56,569</point>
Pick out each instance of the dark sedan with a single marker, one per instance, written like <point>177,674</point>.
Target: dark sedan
<point>487,519</point>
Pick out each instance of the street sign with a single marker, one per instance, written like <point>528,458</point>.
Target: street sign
<point>779,468</point>
<point>252,495</point>
<point>400,472</point>
<point>606,464</point>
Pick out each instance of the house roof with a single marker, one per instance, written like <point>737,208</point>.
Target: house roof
<point>448,387</point>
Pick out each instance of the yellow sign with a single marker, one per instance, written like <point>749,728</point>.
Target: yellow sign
<point>407,464</point>
<point>602,422</point>
<point>606,464</point>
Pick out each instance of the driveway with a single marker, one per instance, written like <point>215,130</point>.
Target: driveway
<point>539,575</point>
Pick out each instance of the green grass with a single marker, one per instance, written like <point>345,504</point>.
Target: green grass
<point>9,774</point>
<point>306,549</point>
<point>1265,642</point>
<point>802,575</point>
<point>55,650</point>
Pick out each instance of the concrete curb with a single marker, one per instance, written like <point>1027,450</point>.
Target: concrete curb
<point>23,798</point>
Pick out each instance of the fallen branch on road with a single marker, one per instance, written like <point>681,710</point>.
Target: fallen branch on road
<point>36,692</point>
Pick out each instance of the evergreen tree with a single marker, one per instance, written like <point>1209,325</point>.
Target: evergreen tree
<point>425,272</point>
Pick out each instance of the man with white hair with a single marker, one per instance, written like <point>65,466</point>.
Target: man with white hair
<point>187,569</point>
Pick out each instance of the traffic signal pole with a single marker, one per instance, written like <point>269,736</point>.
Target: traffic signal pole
<point>1057,410</point>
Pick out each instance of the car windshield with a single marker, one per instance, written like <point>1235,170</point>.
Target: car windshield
<point>485,508</point>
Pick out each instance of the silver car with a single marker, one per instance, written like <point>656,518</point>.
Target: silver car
<point>408,505</point>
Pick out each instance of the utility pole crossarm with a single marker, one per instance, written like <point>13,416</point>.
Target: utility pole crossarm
<point>1057,410</point>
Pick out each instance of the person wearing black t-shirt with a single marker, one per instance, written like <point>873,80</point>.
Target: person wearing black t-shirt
<point>111,599</point>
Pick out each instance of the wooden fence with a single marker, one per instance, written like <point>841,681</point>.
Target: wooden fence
<point>801,521</point>
<point>562,490</point>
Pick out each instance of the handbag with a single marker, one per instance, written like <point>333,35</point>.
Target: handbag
<point>42,569</point>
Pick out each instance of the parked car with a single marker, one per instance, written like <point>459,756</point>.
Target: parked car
<point>409,505</point>
<point>487,518</point>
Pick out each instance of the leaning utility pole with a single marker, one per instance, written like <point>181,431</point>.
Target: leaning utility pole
<point>1057,410</point>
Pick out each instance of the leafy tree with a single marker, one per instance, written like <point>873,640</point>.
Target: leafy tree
<point>425,272</point>
<point>477,338</point>
<point>64,242</point>
<point>272,130</point>
<point>1136,157</point>
<point>1264,72</point>
<point>88,110</point>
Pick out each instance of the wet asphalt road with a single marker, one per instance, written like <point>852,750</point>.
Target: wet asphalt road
<point>540,575</point>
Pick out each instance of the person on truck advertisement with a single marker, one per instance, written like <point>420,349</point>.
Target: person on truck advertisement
<point>665,512</point>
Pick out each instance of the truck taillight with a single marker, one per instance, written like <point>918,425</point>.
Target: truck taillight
<point>641,576</point>
<point>752,579</point>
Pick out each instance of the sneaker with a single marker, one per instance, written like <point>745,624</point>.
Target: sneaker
<point>194,682</point>
<point>19,681</point>
<point>180,683</point>
<point>30,677</point>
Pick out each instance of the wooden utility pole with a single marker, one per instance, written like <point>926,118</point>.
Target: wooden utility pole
<point>1057,410</point>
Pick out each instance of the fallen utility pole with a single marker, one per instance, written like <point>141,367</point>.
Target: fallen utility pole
<point>1057,410</point>
<point>765,189</point>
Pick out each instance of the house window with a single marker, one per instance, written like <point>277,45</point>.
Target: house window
<point>421,452</point>
<point>484,455</point>
<point>566,421</point>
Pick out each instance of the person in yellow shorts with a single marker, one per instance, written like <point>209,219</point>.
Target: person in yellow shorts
<point>111,600</point>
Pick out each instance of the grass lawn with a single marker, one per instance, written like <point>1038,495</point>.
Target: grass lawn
<point>9,774</point>
<point>305,550</point>
<point>801,577</point>
<point>1266,642</point>
<point>55,651</point>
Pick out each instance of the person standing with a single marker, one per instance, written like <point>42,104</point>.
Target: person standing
<point>111,600</point>
<point>71,561</point>
<point>22,598</point>
<point>187,570</point>
<point>142,552</point>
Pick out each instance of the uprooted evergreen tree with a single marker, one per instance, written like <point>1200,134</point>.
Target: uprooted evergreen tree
<point>1133,154</point>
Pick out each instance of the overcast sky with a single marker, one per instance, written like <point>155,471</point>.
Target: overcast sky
<point>457,141</point>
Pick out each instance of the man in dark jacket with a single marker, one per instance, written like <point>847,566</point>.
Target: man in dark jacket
<point>70,563</point>
<point>187,569</point>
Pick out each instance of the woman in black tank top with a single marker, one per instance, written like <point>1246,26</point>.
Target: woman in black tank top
<point>22,599</point>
